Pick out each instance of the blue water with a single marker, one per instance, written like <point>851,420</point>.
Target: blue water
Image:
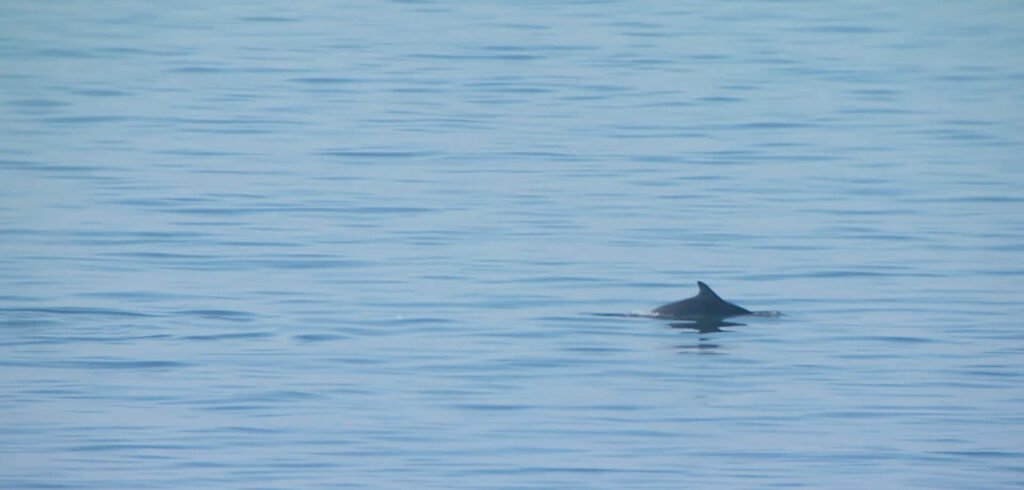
<point>359,244</point>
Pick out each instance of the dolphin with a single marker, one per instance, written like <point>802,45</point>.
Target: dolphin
<point>706,305</point>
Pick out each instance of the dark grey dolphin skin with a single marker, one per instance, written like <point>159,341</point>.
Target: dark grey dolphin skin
<point>706,305</point>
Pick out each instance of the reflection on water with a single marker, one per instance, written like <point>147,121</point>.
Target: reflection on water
<point>706,325</point>
<point>702,347</point>
<point>702,325</point>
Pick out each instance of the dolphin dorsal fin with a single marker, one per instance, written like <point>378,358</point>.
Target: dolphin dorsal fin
<point>706,292</point>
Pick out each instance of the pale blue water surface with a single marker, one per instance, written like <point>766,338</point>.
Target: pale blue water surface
<point>358,244</point>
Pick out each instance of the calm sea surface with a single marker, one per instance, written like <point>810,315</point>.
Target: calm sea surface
<point>360,244</point>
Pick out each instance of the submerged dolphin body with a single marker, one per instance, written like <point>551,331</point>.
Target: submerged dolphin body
<point>706,305</point>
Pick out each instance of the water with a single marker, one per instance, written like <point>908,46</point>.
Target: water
<point>359,245</point>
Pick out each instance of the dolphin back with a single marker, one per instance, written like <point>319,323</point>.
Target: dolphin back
<point>707,304</point>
